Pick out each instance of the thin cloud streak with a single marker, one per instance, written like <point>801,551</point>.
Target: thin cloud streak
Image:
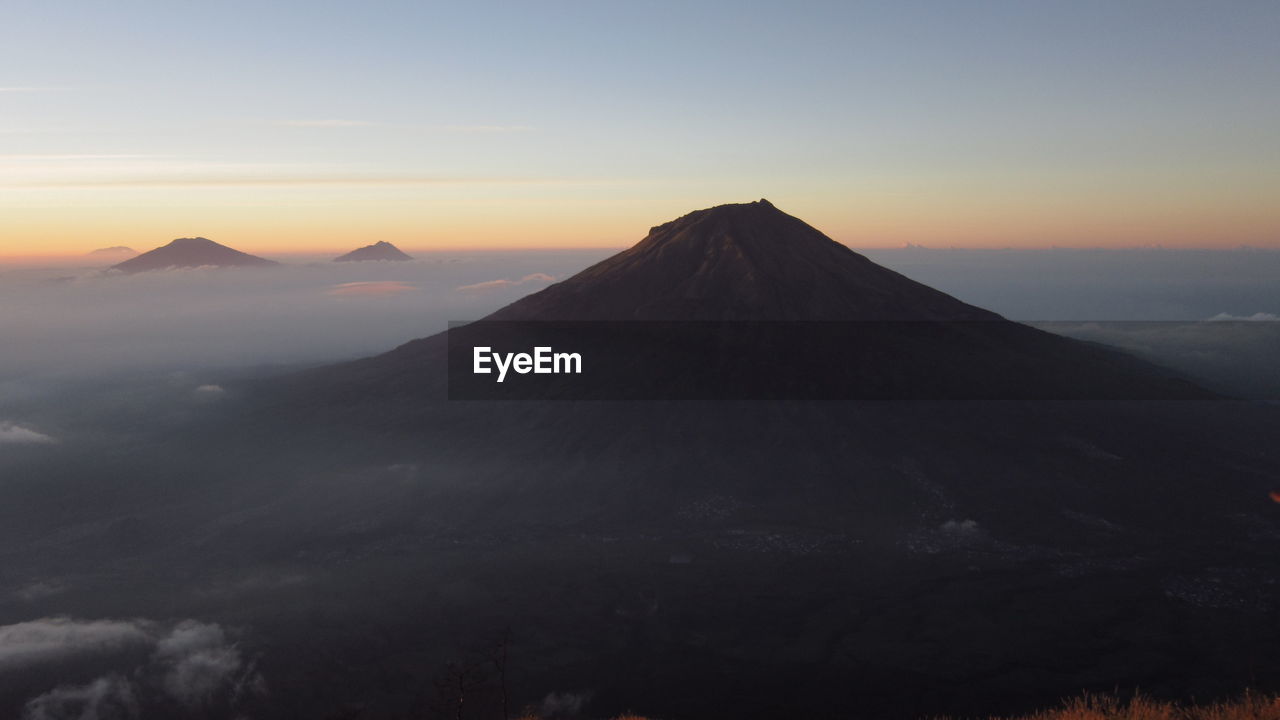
<point>292,181</point>
<point>481,128</point>
<point>462,128</point>
<point>327,123</point>
<point>371,288</point>
<point>74,156</point>
<point>504,283</point>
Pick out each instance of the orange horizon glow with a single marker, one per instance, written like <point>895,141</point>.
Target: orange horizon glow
<point>566,223</point>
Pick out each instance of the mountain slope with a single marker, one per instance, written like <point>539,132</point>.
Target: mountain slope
<point>190,252</point>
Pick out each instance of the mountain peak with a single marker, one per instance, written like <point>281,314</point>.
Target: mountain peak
<point>190,252</point>
<point>743,261</point>
<point>381,250</point>
<point>756,211</point>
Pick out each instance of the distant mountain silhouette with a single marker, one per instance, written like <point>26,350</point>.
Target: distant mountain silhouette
<point>117,251</point>
<point>190,252</point>
<point>381,250</point>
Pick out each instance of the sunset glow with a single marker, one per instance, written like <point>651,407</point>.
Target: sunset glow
<point>1121,125</point>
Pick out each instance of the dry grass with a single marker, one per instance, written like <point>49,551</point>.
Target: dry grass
<point>1105,707</point>
<point>1250,706</point>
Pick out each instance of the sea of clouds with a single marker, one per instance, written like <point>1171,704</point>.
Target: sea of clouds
<point>63,321</point>
<point>68,321</point>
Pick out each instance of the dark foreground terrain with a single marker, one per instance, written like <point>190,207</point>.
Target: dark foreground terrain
<point>898,559</point>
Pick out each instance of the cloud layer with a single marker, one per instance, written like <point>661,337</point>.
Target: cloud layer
<point>1256,317</point>
<point>530,279</point>
<point>110,697</point>
<point>54,639</point>
<point>16,434</point>
<point>81,322</point>
<point>189,664</point>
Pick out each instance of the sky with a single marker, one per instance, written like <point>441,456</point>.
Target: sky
<point>321,126</point>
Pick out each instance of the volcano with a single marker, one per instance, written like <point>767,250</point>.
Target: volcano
<point>744,301</point>
<point>190,252</point>
<point>381,250</point>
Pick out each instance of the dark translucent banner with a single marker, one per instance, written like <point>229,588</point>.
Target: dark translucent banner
<point>984,360</point>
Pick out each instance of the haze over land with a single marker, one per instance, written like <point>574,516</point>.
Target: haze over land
<point>64,319</point>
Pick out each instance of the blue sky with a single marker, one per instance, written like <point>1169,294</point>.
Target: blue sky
<point>970,123</point>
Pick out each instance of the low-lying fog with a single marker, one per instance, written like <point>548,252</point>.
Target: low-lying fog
<point>60,320</point>
<point>63,321</point>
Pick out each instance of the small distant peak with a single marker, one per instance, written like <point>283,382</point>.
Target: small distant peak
<point>764,203</point>
<point>114,250</point>
<point>190,252</point>
<point>380,250</point>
